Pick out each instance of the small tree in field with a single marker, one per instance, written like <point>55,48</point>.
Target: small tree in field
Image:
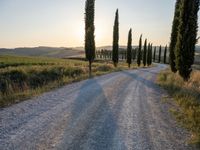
<point>115,51</point>
<point>89,33</point>
<point>139,54</point>
<point>129,48</point>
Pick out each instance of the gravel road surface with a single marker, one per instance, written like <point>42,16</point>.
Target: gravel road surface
<point>118,111</point>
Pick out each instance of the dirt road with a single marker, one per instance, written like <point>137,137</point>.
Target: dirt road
<point>118,111</point>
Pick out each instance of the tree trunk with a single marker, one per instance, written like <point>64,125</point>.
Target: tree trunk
<point>115,65</point>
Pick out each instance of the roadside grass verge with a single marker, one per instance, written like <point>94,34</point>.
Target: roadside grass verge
<point>187,100</point>
<point>24,77</point>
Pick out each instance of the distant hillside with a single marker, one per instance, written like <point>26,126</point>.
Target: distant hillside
<point>61,52</point>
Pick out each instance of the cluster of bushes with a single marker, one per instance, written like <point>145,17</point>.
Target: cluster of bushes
<point>20,80</point>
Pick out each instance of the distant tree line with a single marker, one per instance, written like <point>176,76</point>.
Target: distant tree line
<point>153,54</point>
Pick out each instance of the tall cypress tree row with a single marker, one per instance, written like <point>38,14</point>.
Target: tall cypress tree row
<point>145,53</point>
<point>89,33</point>
<point>154,54</point>
<point>115,50</point>
<point>187,37</point>
<point>160,51</point>
<point>174,34</point>
<point>129,48</point>
<point>165,55</point>
<point>139,54</point>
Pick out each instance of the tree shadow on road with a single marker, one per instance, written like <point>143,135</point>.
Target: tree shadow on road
<point>92,123</point>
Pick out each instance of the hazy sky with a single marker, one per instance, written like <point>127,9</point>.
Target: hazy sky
<point>61,22</point>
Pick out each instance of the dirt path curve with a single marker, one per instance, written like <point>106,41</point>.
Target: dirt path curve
<point>118,111</point>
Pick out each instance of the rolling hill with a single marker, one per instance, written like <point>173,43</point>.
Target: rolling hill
<point>60,52</point>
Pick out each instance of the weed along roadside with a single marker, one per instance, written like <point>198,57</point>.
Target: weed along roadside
<point>186,99</point>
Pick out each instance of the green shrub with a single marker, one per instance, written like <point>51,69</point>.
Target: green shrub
<point>104,68</point>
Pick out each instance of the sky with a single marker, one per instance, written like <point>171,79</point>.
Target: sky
<point>60,23</point>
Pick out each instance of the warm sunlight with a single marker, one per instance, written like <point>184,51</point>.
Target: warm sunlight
<point>100,32</point>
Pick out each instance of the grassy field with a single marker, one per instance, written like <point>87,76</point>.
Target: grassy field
<point>24,77</point>
<point>186,104</point>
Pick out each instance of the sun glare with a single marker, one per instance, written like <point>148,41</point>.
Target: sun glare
<point>99,33</point>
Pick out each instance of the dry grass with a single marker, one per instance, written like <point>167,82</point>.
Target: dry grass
<point>187,100</point>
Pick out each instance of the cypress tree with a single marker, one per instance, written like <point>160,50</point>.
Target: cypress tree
<point>160,51</point>
<point>139,55</point>
<point>134,53</point>
<point>151,50</point>
<point>145,53</point>
<point>187,37</point>
<point>148,54</point>
<point>165,55</point>
<point>89,33</point>
<point>154,54</point>
<point>125,55</point>
<point>129,48</point>
<point>101,54</point>
<point>174,35</point>
<point>115,51</point>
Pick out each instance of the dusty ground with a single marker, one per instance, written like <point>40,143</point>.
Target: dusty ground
<point>117,111</point>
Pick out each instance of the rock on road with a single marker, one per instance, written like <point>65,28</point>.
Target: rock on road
<point>118,111</point>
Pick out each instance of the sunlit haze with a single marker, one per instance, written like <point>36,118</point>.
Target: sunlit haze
<point>56,23</point>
